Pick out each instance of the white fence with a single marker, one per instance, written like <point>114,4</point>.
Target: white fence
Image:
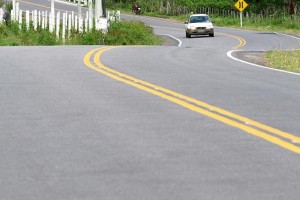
<point>61,22</point>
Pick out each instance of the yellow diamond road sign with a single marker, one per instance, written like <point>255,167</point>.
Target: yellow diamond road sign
<point>241,5</point>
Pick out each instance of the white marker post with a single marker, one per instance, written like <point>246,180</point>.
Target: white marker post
<point>57,24</point>
<point>91,18</point>
<point>14,14</point>
<point>52,17</point>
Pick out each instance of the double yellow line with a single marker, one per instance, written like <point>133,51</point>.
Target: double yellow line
<point>242,41</point>
<point>270,134</point>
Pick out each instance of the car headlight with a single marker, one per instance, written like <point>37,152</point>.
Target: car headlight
<point>191,27</point>
<point>210,27</point>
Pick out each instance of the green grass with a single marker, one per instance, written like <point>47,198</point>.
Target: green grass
<point>11,35</point>
<point>284,60</point>
<point>131,33</point>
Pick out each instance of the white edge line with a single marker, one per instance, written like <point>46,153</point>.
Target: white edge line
<point>229,54</point>
<point>171,36</point>
<point>297,38</point>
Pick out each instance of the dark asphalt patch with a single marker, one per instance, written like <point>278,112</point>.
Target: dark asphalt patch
<point>255,57</point>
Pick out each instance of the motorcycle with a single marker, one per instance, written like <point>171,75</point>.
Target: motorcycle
<point>136,10</point>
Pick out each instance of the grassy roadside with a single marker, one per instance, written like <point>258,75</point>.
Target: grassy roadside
<point>284,60</point>
<point>120,33</point>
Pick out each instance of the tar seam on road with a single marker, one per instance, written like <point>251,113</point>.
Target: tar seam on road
<point>270,134</point>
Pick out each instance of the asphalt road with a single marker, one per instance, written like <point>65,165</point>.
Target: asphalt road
<point>136,123</point>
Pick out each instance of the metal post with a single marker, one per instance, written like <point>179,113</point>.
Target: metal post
<point>241,18</point>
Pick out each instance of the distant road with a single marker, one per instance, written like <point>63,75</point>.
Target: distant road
<point>149,122</point>
<point>46,5</point>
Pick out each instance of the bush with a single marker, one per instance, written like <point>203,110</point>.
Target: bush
<point>131,33</point>
<point>120,33</point>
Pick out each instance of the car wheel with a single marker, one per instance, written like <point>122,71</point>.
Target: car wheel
<point>187,35</point>
<point>211,35</point>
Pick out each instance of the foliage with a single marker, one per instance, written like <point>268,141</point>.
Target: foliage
<point>285,60</point>
<point>8,5</point>
<point>176,7</point>
<point>121,33</point>
<point>131,33</point>
<point>12,35</point>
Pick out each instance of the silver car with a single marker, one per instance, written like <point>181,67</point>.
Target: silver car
<point>199,24</point>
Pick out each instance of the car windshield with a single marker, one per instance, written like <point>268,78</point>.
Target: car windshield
<point>199,19</point>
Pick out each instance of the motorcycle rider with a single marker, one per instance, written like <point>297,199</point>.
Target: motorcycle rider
<point>5,14</point>
<point>136,9</point>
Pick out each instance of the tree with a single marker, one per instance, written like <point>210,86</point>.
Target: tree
<point>291,6</point>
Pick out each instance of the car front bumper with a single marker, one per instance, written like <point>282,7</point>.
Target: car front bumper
<point>200,31</point>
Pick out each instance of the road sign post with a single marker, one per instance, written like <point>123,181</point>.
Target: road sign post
<point>241,5</point>
<point>241,19</point>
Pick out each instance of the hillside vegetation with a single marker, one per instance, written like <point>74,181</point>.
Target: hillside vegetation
<point>259,15</point>
<point>177,7</point>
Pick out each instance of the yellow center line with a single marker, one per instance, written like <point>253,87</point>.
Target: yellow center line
<point>270,134</point>
<point>240,39</point>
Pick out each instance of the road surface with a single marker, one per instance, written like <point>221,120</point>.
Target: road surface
<point>149,122</point>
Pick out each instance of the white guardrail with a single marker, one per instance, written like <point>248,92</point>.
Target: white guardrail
<point>62,23</point>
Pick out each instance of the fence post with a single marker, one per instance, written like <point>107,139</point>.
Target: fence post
<point>76,23</point>
<point>86,21</point>
<point>64,27</point>
<point>39,20</point>
<point>69,25</point>
<point>35,20</point>
<point>32,17</point>
<point>1,15</point>
<point>80,28</point>
<point>43,20</point>
<point>57,24</point>
<point>13,13</point>
<point>52,17</point>
<point>20,19</point>
<point>46,19</point>
<point>17,11</point>
<point>91,18</point>
<point>27,19</point>
<point>118,16</point>
<point>72,22</point>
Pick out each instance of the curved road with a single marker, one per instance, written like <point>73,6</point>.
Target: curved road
<point>150,122</point>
